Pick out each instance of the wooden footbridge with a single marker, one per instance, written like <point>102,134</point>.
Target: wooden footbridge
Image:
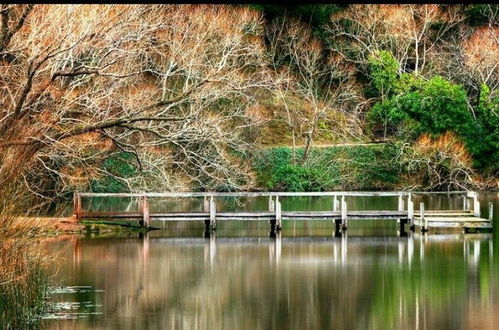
<point>466,218</point>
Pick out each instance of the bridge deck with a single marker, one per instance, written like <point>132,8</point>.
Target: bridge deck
<point>468,217</point>
<point>451,219</point>
<point>225,216</point>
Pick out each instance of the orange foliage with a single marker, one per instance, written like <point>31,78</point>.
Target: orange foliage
<point>448,145</point>
<point>482,48</point>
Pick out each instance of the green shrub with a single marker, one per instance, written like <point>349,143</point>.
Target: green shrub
<point>332,168</point>
<point>484,142</point>
<point>121,165</point>
<point>383,69</point>
<point>410,106</point>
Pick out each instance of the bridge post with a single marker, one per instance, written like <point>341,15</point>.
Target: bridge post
<point>401,203</point>
<point>272,208</point>
<point>465,202</point>
<point>476,205</point>
<point>206,205</point>
<point>271,204</point>
<point>144,206</point>
<point>424,222</point>
<point>337,222</point>
<point>344,218</point>
<point>491,211</point>
<point>401,221</point>
<point>213,211</point>
<point>206,209</point>
<point>77,205</point>
<point>335,203</point>
<point>410,212</point>
<point>278,214</point>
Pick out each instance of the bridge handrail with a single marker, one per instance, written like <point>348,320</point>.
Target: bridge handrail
<point>267,194</point>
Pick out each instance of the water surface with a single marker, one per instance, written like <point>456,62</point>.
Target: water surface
<point>304,278</point>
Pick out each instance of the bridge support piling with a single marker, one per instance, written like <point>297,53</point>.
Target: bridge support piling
<point>410,212</point>
<point>476,205</point>
<point>491,211</point>
<point>337,228</point>
<point>271,204</point>
<point>144,206</point>
<point>401,203</point>
<point>272,208</point>
<point>206,209</point>
<point>401,221</point>
<point>213,212</point>
<point>335,203</point>
<point>77,205</point>
<point>344,218</point>
<point>424,222</point>
<point>337,222</point>
<point>278,214</point>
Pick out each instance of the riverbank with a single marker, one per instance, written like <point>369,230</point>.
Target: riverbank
<point>370,167</point>
<point>47,225</point>
<point>55,226</point>
<point>24,286</point>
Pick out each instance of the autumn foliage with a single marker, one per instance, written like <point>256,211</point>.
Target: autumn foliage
<point>186,94</point>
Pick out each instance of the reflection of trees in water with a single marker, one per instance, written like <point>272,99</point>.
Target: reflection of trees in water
<point>440,289</point>
<point>288,283</point>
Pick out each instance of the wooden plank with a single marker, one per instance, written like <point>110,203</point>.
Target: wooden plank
<point>304,214</point>
<point>266,219</point>
<point>251,194</point>
<point>467,219</point>
<point>257,194</point>
<point>447,211</point>
<point>112,214</point>
<point>245,214</point>
<point>311,214</point>
<point>200,218</point>
<point>459,224</point>
<point>449,215</point>
<point>180,214</point>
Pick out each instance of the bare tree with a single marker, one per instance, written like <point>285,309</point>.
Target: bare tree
<point>410,32</point>
<point>438,164</point>
<point>174,80</point>
<point>481,51</point>
<point>311,85</point>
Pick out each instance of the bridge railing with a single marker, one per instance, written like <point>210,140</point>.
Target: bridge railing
<point>339,202</point>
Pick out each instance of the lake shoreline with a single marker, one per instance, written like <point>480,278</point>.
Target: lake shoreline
<point>55,226</point>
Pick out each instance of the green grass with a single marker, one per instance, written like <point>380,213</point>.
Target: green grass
<point>361,167</point>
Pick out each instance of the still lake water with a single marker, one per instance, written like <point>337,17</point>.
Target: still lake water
<point>305,278</point>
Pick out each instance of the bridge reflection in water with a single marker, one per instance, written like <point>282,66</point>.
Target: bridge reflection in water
<point>256,282</point>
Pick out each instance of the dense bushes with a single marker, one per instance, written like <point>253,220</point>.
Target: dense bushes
<point>117,168</point>
<point>332,168</point>
<point>410,106</point>
<point>441,163</point>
